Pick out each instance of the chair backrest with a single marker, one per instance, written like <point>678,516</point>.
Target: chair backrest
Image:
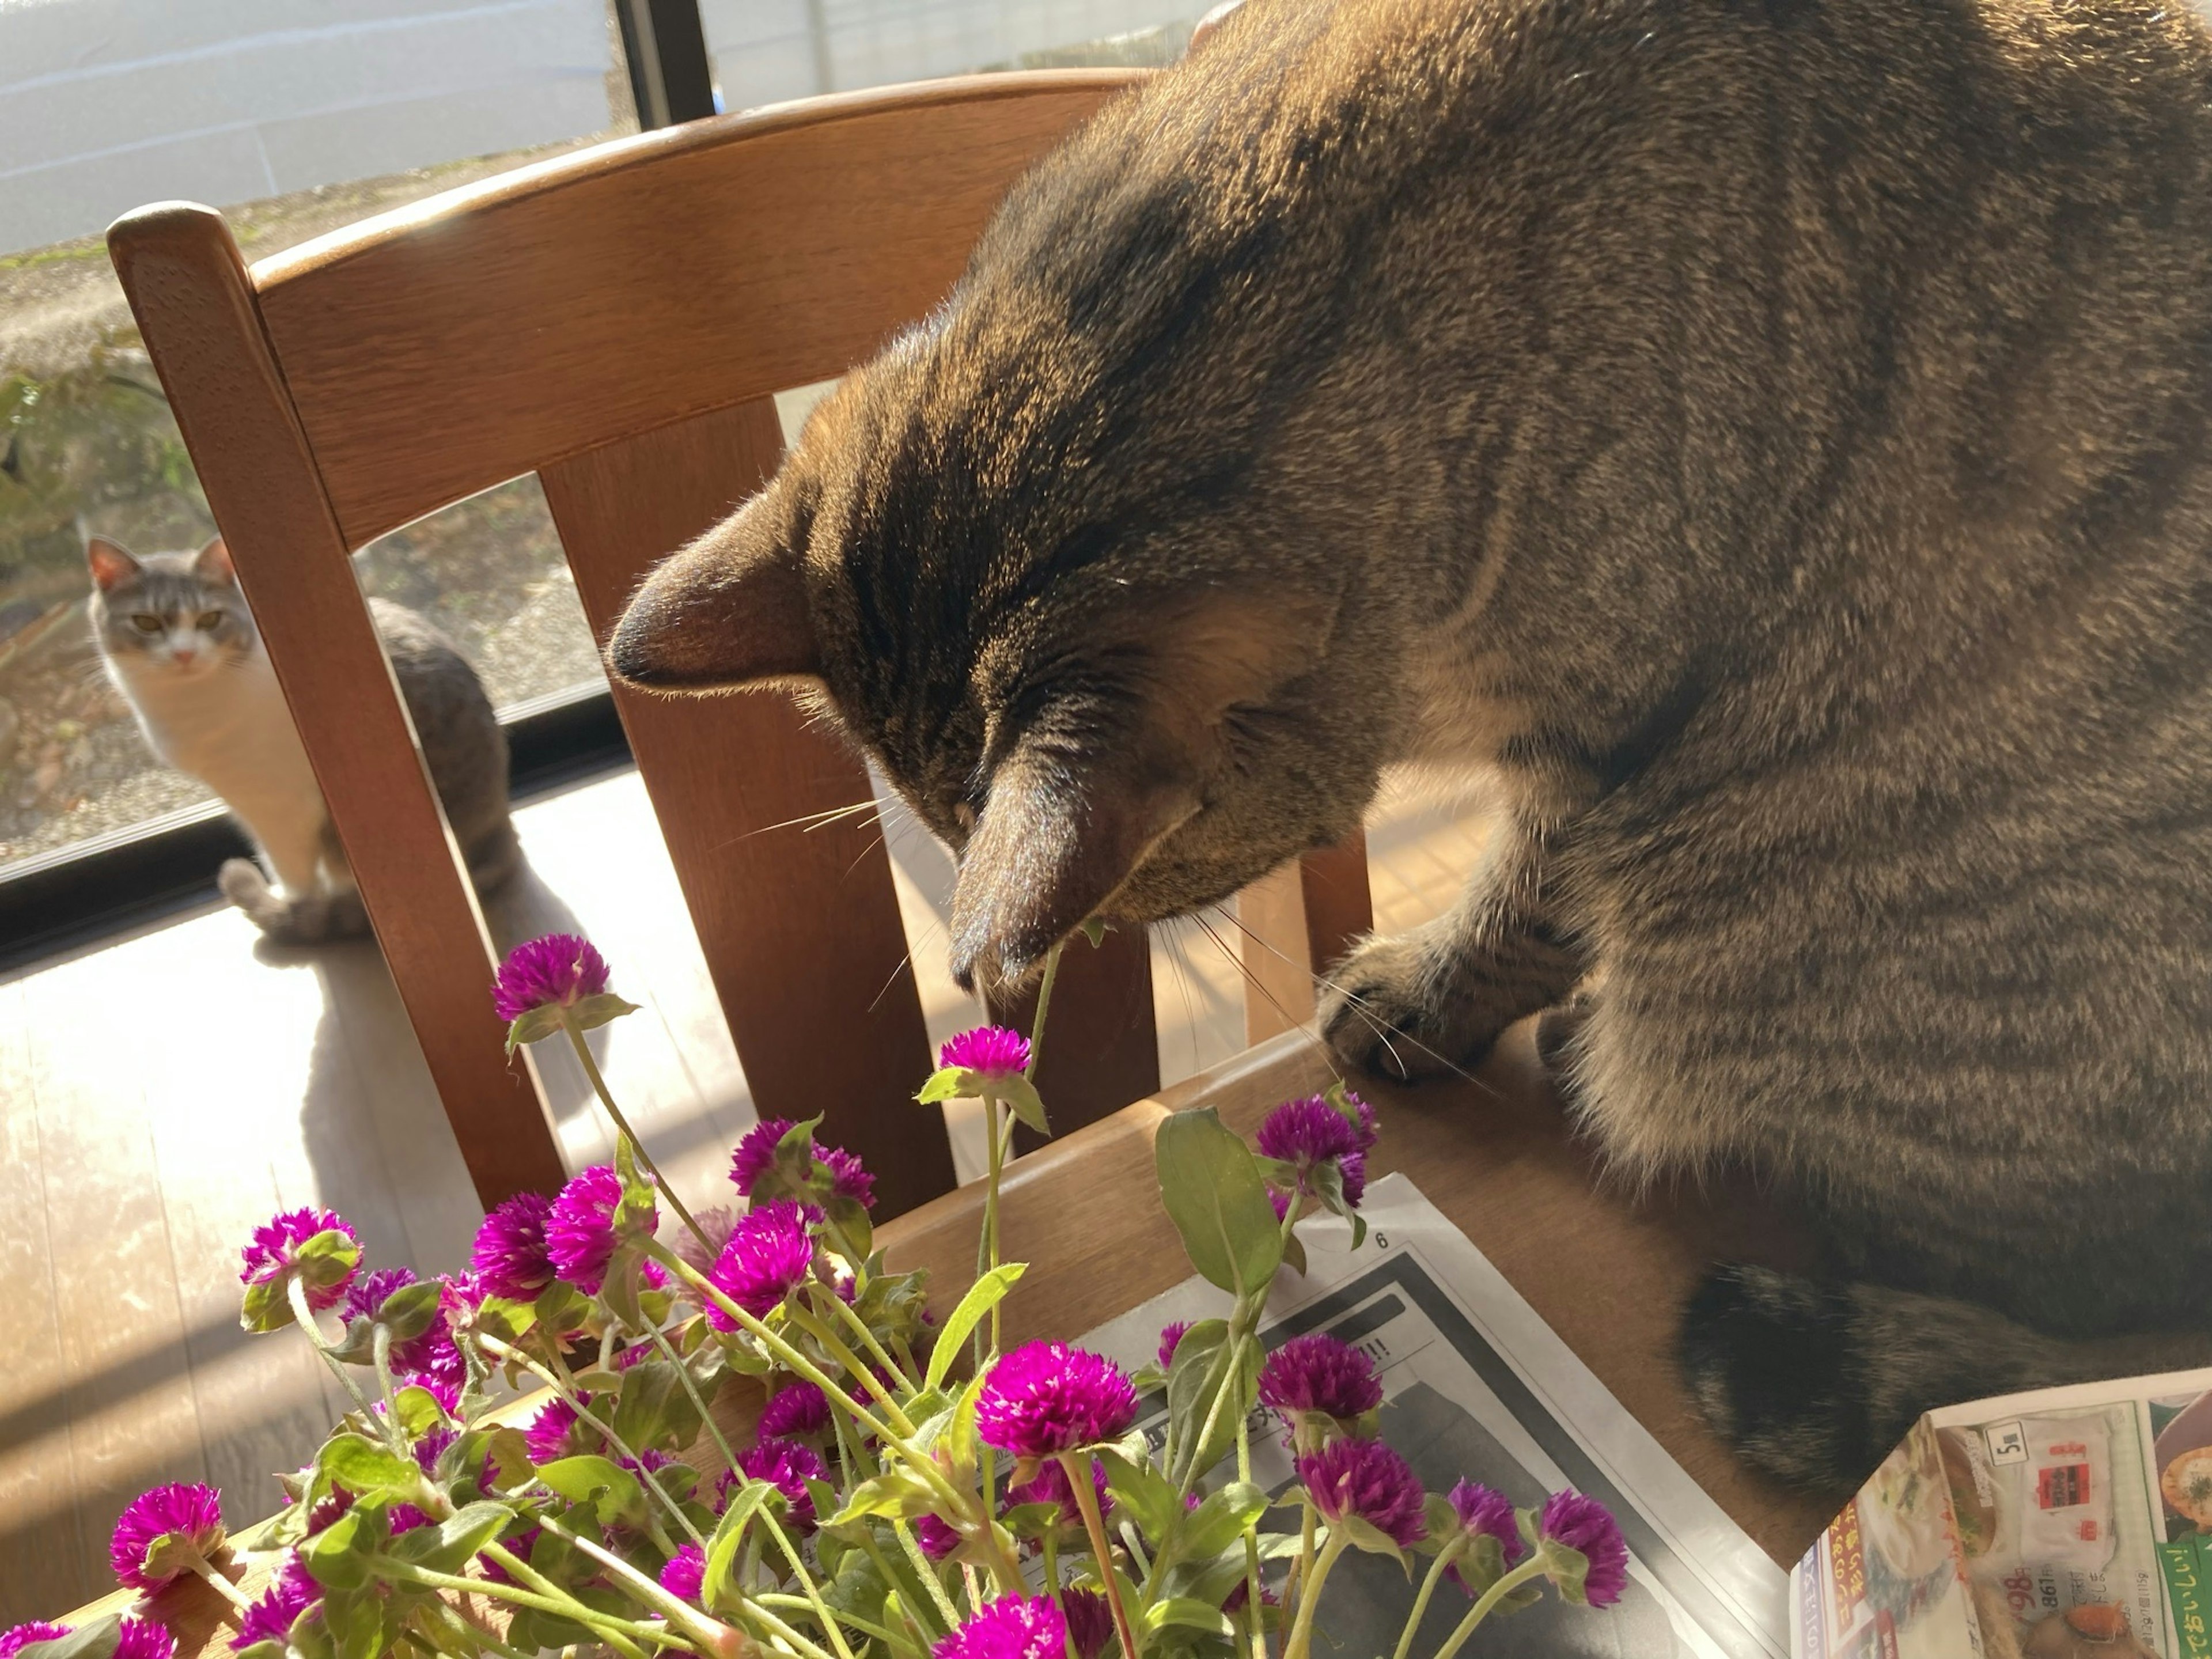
<point>617,320</point>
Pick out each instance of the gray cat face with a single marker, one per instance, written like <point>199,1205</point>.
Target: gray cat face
<point>177,614</point>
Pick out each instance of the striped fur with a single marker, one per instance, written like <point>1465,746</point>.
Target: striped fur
<point>1770,439</point>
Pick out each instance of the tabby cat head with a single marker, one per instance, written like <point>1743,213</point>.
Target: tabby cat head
<point>1086,660</point>
<point>179,615</point>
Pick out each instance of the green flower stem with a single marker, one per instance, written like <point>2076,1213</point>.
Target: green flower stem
<point>1043,1007</point>
<point>1445,1557</point>
<point>1531,1569</point>
<point>565,1386</point>
<point>797,1603</point>
<point>866,1543</point>
<point>928,1572</point>
<point>1310,1594</point>
<point>876,1350</point>
<point>468,1631</point>
<point>606,1099</point>
<point>296,1292</point>
<point>692,1388</point>
<point>674,1609</point>
<point>806,1583</point>
<point>807,1321</point>
<point>777,1627</point>
<point>988,1245</point>
<point>621,1634</point>
<point>1240,1320</point>
<point>1252,1536</point>
<point>217,1582</point>
<point>1086,1499</point>
<point>379,1348</point>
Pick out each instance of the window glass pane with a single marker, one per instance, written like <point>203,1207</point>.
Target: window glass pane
<point>298,117</point>
<point>767,51</point>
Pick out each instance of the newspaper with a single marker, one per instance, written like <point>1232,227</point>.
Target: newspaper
<point>2066,1523</point>
<point>1476,1385</point>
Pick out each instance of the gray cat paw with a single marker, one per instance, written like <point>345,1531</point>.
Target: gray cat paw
<point>1390,1012</point>
<point>243,883</point>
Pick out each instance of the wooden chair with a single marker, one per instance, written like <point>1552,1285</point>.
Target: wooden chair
<point>617,320</point>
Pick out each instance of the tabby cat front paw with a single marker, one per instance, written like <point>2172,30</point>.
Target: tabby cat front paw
<point>1398,1008</point>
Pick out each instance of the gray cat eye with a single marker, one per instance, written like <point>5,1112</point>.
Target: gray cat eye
<point>209,621</point>
<point>147,625</point>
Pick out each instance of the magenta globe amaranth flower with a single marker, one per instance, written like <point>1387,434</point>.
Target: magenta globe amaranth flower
<point>1586,1525</point>
<point>786,1465</point>
<point>799,1410</point>
<point>1316,1372</point>
<point>173,1523</point>
<point>938,1539</point>
<point>511,1254</point>
<point>1090,1622</point>
<point>1485,1512</point>
<point>579,1231</point>
<point>430,1351</point>
<point>686,1575</point>
<point>1171,1335</point>
<point>558,971</point>
<point>989,1051</point>
<point>556,1432</point>
<point>291,1592</point>
<point>274,1250</point>
<point>1051,1486</point>
<point>1012,1627</point>
<point>1366,1479</point>
<point>754,1152</point>
<point>1045,1398</point>
<point>770,1253</point>
<point>848,1178</point>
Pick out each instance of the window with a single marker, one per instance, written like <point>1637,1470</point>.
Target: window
<point>311,117</point>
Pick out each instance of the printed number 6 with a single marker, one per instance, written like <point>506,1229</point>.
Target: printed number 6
<point>1382,1241</point>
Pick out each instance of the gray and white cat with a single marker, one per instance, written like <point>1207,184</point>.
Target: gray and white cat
<point>180,644</point>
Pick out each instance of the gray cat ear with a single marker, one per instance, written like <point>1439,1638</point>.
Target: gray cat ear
<point>212,563</point>
<point>111,566</point>
<point>729,611</point>
<point>1050,848</point>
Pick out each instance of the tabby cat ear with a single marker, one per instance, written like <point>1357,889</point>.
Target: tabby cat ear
<point>1052,845</point>
<point>728,610</point>
<point>111,566</point>
<point>212,563</point>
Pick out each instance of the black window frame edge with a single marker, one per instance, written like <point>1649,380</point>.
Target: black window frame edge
<point>106,884</point>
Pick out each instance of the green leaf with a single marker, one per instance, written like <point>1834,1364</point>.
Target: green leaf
<point>453,1542</point>
<point>1024,1101</point>
<point>533,1026</point>
<point>638,1199</point>
<point>612,1490</point>
<point>1221,1519</point>
<point>1213,1193</point>
<point>958,1441</point>
<point>408,1311</point>
<point>266,1308</point>
<point>1150,1499</point>
<point>1364,1535</point>
<point>327,1260</point>
<point>947,1083</point>
<point>264,1648</point>
<point>590,1012</point>
<point>1568,1568</point>
<point>1199,1372</point>
<point>1439,1523</point>
<point>729,1536</point>
<point>1094,929</point>
<point>619,1289</point>
<point>337,1556</point>
<point>419,1411</point>
<point>96,1640</point>
<point>653,1409</point>
<point>984,1294</point>
<point>562,1308</point>
<point>1188,1615</point>
<point>368,1469</point>
<point>1294,1255</point>
<point>897,1493</point>
<point>507,1459</point>
<point>354,1617</point>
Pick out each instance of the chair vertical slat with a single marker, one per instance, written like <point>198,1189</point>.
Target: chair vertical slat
<point>800,921</point>
<point>189,290</point>
<point>1296,923</point>
<point>1101,1048</point>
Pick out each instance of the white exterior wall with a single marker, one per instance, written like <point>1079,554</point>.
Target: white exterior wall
<point>768,51</point>
<point>106,105</point>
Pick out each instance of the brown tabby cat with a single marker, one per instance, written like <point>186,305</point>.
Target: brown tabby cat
<point>1771,439</point>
